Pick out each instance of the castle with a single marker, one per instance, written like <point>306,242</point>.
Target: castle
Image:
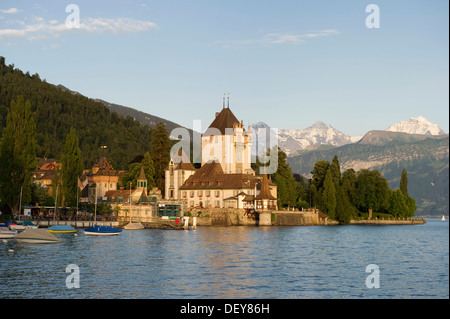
<point>226,178</point>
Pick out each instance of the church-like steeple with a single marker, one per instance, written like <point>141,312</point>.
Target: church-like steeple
<point>142,181</point>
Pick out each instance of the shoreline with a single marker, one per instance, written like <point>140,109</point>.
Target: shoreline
<point>172,225</point>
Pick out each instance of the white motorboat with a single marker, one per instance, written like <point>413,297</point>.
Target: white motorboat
<point>6,233</point>
<point>37,236</point>
<point>23,225</point>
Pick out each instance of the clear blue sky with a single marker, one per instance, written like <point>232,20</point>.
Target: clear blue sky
<point>286,63</point>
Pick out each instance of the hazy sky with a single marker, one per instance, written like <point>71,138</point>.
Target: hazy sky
<point>286,63</point>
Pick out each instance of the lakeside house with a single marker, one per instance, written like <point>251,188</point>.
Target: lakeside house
<point>46,172</point>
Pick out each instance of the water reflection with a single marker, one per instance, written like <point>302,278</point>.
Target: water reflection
<point>234,262</point>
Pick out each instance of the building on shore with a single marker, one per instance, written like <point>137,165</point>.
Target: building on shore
<point>102,179</point>
<point>46,173</point>
<point>226,178</point>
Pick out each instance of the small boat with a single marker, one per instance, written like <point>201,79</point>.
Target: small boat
<point>5,233</point>
<point>23,225</point>
<point>443,218</point>
<point>61,229</point>
<point>133,226</point>
<point>37,236</point>
<point>98,230</point>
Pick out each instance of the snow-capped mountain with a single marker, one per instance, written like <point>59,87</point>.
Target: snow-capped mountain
<point>319,133</point>
<point>418,125</point>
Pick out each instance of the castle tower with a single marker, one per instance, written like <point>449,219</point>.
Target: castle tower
<point>228,143</point>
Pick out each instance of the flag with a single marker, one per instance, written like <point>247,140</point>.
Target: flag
<point>80,184</point>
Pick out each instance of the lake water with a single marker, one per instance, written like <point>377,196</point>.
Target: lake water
<point>235,262</point>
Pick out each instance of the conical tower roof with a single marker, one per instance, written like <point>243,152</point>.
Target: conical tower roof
<point>142,174</point>
<point>225,119</point>
<point>265,192</point>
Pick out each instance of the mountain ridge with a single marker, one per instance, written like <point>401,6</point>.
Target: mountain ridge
<point>297,141</point>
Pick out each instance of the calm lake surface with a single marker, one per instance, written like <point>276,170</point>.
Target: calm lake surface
<point>235,262</point>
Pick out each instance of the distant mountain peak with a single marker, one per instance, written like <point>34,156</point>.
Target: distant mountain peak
<point>321,125</point>
<point>419,125</point>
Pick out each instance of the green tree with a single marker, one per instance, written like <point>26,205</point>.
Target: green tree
<point>404,183</point>
<point>397,204</point>
<point>348,183</point>
<point>329,196</point>
<point>131,176</point>
<point>72,168</point>
<point>149,170</point>
<point>411,206</point>
<point>335,171</point>
<point>160,153</point>
<point>134,170</point>
<point>371,191</point>
<point>287,187</point>
<point>17,154</point>
<point>318,173</point>
<point>344,209</point>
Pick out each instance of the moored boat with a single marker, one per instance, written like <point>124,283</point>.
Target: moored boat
<point>37,236</point>
<point>98,230</point>
<point>61,229</point>
<point>133,226</point>
<point>6,233</point>
<point>23,225</point>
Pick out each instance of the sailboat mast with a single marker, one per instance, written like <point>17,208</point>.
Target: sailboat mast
<point>77,193</point>
<point>56,201</point>
<point>130,202</point>
<point>95,210</point>
<point>20,202</point>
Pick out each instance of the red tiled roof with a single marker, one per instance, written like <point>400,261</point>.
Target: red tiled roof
<point>104,168</point>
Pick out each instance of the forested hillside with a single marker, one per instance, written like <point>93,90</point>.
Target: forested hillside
<point>100,131</point>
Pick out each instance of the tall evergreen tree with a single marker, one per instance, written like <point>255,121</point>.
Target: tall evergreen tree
<point>335,171</point>
<point>160,153</point>
<point>72,168</point>
<point>319,172</point>
<point>18,158</point>
<point>329,196</point>
<point>287,187</point>
<point>344,209</point>
<point>404,183</point>
<point>149,170</point>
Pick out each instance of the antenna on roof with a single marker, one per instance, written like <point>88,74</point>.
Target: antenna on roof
<point>223,105</point>
<point>228,100</point>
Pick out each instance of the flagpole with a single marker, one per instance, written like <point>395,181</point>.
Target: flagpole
<point>78,186</point>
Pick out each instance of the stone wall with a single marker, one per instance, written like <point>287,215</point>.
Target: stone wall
<point>297,218</point>
<point>411,221</point>
<point>238,217</point>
